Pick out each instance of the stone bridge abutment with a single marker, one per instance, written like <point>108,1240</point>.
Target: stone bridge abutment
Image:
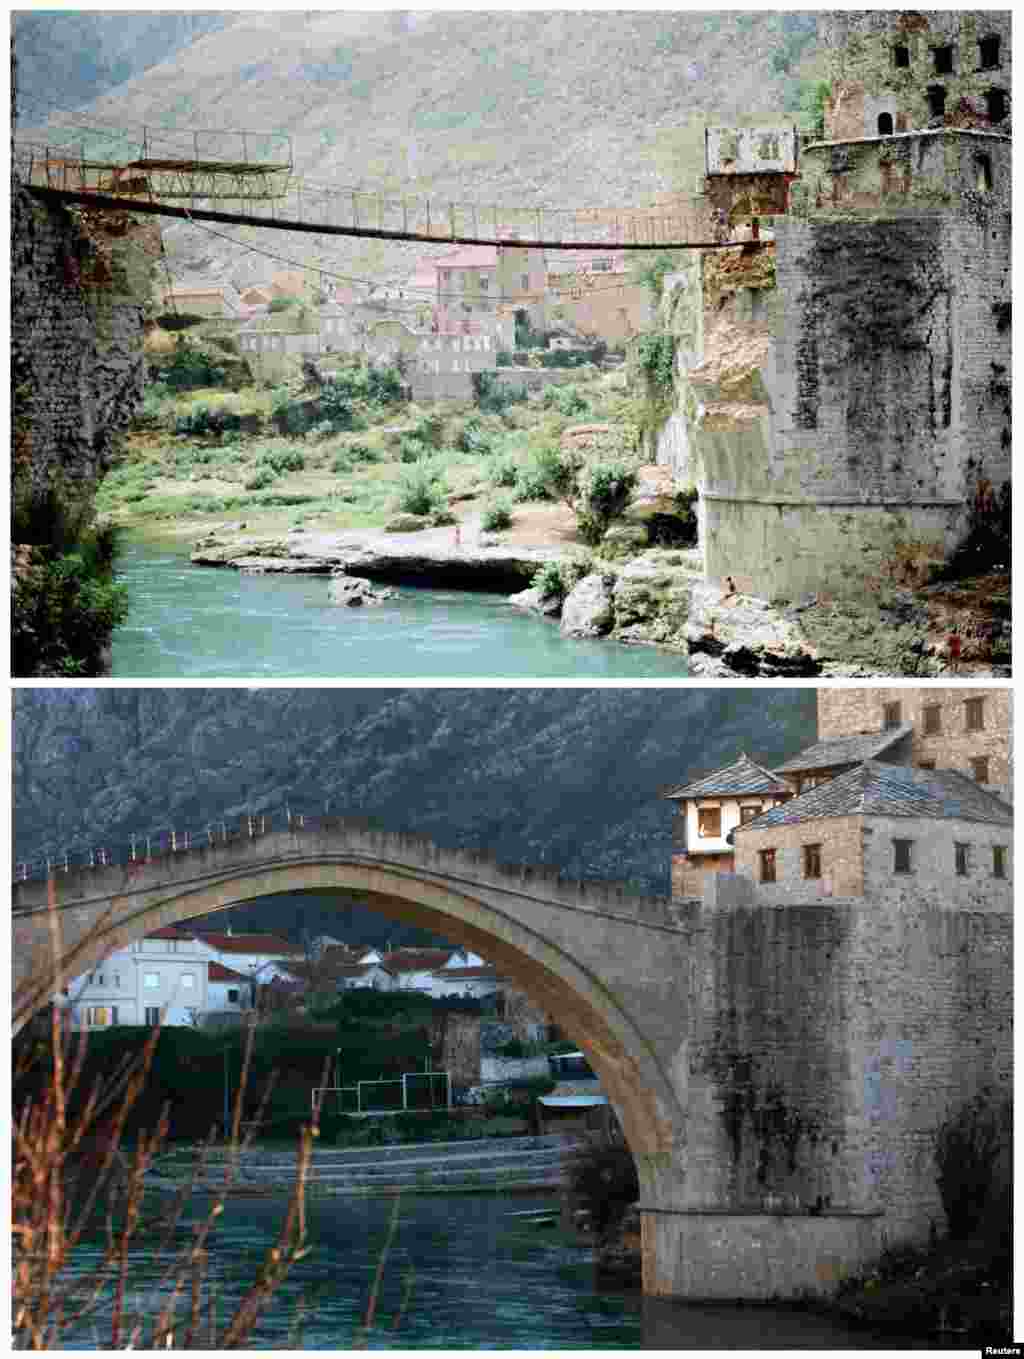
<point>779,1070</point>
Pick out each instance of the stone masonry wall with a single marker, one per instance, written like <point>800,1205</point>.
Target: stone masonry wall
<point>77,302</point>
<point>845,712</point>
<point>831,1042</point>
<point>885,414</point>
<point>842,858</point>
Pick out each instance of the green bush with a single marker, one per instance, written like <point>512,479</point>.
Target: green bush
<point>503,470</point>
<point>64,610</point>
<point>342,463</point>
<point>604,493</point>
<point>548,474</point>
<point>283,460</point>
<point>188,367</point>
<point>429,430</point>
<point>263,477</point>
<point>411,449</point>
<point>472,439</point>
<point>656,357</point>
<point>421,490</point>
<point>496,516</point>
<point>548,580</point>
<point>567,400</point>
<point>363,453</point>
<point>493,397</point>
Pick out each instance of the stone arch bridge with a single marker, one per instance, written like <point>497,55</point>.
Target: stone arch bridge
<point>775,1075</point>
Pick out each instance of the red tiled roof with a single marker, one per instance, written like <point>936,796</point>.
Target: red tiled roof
<point>170,932</point>
<point>416,959</point>
<point>252,943</point>
<point>219,973</point>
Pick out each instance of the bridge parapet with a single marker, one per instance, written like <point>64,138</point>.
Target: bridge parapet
<point>177,857</point>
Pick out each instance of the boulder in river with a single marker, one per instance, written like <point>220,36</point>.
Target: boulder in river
<point>588,610</point>
<point>355,591</point>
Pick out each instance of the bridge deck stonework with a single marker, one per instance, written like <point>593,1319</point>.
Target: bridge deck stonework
<point>779,1069</point>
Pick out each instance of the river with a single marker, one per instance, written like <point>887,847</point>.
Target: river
<point>460,1273</point>
<point>194,622</point>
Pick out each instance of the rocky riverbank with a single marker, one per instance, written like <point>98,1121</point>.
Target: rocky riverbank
<point>656,597</point>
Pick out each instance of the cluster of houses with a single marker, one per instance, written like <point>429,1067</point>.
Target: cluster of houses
<point>180,975</point>
<point>449,318</point>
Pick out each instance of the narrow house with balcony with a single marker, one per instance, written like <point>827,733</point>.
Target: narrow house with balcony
<point>708,809</point>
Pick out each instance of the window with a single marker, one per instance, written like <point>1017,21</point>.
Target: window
<point>525,281</point>
<point>767,860</point>
<point>988,52</point>
<point>884,124</point>
<point>974,710</point>
<point>900,56</point>
<point>152,1014</point>
<point>891,715</point>
<point>979,768</point>
<point>960,855</point>
<point>485,282</point>
<point>932,719</point>
<point>996,102</point>
<point>936,100</point>
<point>748,814</point>
<point>983,174</point>
<point>233,995</point>
<point>709,821</point>
<point>999,861</point>
<point>926,764</point>
<point>901,856</point>
<point>943,60</point>
<point>188,981</point>
<point>812,861</point>
<point>151,981</point>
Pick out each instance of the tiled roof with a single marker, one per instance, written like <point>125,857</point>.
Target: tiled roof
<point>219,973</point>
<point>458,973</point>
<point>357,969</point>
<point>876,789</point>
<point>251,943</point>
<point>845,750</point>
<point>416,960</point>
<point>169,932</point>
<point>742,776</point>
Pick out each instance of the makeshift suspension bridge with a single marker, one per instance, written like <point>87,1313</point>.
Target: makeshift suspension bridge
<point>267,193</point>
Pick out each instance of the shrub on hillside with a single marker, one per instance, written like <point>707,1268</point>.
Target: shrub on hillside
<point>421,490</point>
<point>496,516</point>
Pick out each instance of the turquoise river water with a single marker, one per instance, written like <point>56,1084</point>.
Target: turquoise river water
<point>192,622</point>
<point>460,1273</point>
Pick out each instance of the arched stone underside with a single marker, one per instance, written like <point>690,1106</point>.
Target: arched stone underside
<point>777,1067</point>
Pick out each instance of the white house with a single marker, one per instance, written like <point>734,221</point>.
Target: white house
<point>161,978</point>
<point>465,974</point>
<point>708,810</point>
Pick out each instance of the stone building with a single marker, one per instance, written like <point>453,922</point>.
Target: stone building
<point>844,381</point>
<point>966,732</point>
<point>880,828</point>
<point>968,729</point>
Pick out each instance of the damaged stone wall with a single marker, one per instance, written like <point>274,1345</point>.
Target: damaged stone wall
<point>79,290</point>
<point>872,409</point>
<point>867,82</point>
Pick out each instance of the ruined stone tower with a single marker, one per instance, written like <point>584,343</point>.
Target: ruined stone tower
<point>850,423</point>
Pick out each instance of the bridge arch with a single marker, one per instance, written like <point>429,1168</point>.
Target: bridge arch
<point>554,971</point>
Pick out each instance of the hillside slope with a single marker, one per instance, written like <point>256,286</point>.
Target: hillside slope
<point>564,108</point>
<point>562,776</point>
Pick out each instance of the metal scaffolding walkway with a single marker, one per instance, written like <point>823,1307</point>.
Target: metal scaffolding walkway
<point>267,193</point>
